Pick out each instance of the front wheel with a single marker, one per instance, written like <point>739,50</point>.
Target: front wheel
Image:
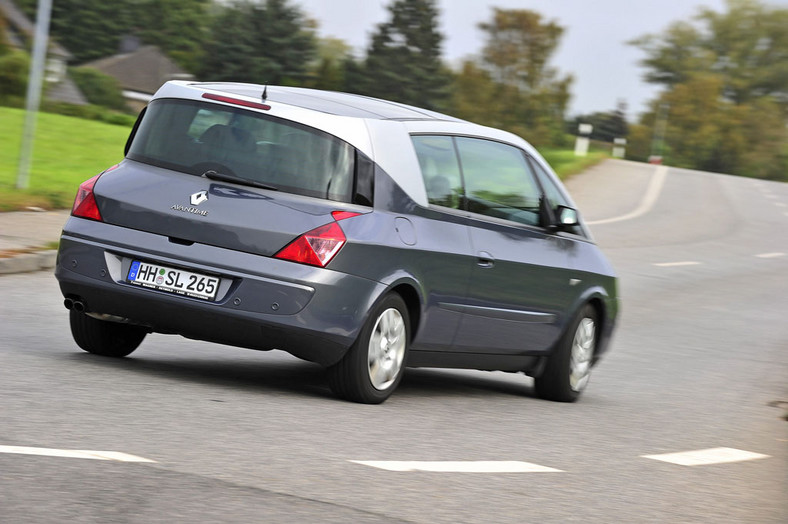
<point>373,366</point>
<point>569,367</point>
<point>108,339</point>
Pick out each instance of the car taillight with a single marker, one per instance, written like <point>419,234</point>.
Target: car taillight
<point>318,246</point>
<point>85,202</point>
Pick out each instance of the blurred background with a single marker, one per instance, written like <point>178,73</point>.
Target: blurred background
<point>702,85</point>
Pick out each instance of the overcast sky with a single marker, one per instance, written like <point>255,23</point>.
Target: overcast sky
<point>593,47</point>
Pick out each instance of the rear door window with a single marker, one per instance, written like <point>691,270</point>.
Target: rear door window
<point>440,170</point>
<point>194,137</point>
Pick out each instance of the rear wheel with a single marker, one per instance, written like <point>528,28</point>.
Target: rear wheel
<point>373,366</point>
<point>569,367</point>
<point>109,339</point>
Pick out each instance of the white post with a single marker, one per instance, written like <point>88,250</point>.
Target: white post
<point>35,82</point>
<point>619,147</point>
<point>581,143</point>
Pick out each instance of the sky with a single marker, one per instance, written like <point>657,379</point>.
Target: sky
<point>593,48</point>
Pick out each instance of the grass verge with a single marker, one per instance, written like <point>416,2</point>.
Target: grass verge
<point>66,152</point>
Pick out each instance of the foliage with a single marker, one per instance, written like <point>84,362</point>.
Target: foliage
<point>14,67</point>
<point>4,47</point>
<point>513,86</point>
<point>92,29</point>
<point>327,70</point>
<point>403,61</point>
<point>99,88</point>
<point>88,29</point>
<point>271,42</point>
<point>726,89</point>
<point>178,27</point>
<point>608,125</point>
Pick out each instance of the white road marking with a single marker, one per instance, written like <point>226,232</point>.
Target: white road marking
<point>704,457</point>
<point>478,466</point>
<point>74,453</point>
<point>652,193</point>
<point>780,204</point>
<point>677,264</point>
<point>770,255</point>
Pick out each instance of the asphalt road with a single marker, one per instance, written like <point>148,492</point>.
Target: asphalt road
<point>699,362</point>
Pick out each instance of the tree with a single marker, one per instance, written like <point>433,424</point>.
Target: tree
<point>525,95</point>
<point>268,42</point>
<point>178,27</point>
<point>726,90</point>
<point>88,29</point>
<point>327,71</point>
<point>608,125</point>
<point>403,61</point>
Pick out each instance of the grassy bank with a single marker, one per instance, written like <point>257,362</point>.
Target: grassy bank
<point>66,151</point>
<point>69,150</point>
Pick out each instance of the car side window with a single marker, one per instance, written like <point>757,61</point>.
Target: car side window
<point>499,181</point>
<point>439,169</point>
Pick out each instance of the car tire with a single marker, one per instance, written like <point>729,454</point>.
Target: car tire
<point>373,366</point>
<point>108,339</point>
<point>569,366</point>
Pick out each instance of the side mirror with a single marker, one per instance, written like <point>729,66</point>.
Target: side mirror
<point>567,217</point>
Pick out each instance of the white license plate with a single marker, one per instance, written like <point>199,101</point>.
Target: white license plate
<point>164,278</point>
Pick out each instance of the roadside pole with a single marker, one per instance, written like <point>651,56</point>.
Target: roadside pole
<point>34,85</point>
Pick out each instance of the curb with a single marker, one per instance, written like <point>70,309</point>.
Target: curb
<point>28,262</point>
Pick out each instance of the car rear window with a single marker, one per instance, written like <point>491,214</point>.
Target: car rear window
<point>194,137</point>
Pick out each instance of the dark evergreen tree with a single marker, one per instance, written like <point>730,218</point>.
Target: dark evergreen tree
<point>267,42</point>
<point>88,29</point>
<point>404,59</point>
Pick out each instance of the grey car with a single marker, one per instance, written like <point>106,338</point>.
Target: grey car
<point>360,234</point>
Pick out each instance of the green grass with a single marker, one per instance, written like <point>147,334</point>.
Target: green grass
<point>69,150</point>
<point>565,163</point>
<point>66,152</point>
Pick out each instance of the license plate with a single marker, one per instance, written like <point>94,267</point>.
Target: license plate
<point>178,281</point>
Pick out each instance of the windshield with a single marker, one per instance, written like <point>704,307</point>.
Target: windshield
<point>196,137</point>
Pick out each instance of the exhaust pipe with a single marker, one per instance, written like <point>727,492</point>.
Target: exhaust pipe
<point>75,304</point>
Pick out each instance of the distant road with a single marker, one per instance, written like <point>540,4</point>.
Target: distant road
<point>682,422</point>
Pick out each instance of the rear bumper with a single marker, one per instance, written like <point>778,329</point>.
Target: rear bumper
<point>263,303</point>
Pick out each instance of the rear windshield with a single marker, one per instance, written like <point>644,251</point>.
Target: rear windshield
<point>195,137</point>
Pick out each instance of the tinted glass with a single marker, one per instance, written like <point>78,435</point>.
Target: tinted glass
<point>555,197</point>
<point>193,137</point>
<point>498,181</point>
<point>440,170</point>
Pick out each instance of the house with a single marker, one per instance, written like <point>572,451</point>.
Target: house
<point>19,30</point>
<point>140,70</point>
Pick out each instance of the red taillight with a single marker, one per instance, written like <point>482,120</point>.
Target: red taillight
<point>318,246</point>
<point>85,203</point>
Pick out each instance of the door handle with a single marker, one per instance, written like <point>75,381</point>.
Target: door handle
<point>485,259</point>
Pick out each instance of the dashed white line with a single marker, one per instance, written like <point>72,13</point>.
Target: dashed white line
<point>74,453</point>
<point>780,204</point>
<point>650,198</point>
<point>677,264</point>
<point>770,255</point>
<point>478,466</point>
<point>704,457</point>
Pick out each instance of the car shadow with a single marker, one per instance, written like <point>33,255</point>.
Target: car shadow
<point>278,373</point>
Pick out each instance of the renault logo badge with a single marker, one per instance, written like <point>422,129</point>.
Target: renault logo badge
<point>199,197</point>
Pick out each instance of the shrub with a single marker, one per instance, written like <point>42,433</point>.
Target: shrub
<point>99,88</point>
<point>14,69</point>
